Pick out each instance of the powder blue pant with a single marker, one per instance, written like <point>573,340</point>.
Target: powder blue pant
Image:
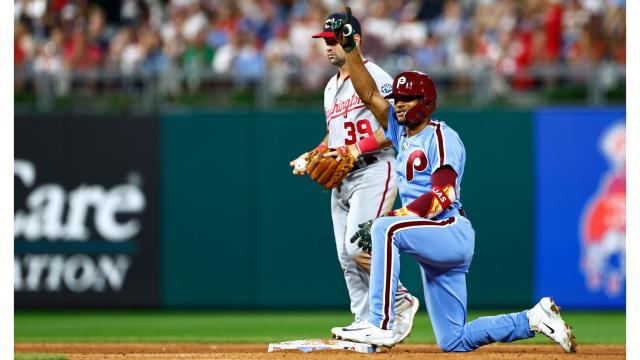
<point>444,250</point>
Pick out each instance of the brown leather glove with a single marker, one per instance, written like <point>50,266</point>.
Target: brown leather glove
<point>330,171</point>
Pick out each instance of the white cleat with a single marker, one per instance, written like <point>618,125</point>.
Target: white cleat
<point>354,325</point>
<point>367,333</point>
<point>405,313</point>
<point>545,318</point>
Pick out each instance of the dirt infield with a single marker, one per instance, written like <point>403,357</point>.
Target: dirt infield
<point>96,351</point>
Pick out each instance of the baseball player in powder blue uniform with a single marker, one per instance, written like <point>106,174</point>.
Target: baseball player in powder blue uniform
<point>431,226</point>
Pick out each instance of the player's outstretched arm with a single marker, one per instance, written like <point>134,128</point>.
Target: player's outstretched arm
<point>363,82</point>
<point>366,87</point>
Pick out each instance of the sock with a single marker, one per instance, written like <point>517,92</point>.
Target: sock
<point>533,320</point>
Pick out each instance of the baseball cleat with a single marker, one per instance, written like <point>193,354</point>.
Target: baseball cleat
<point>354,325</point>
<point>367,333</point>
<point>405,313</point>
<point>545,318</point>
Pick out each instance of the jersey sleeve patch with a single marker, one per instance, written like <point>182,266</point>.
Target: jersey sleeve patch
<point>386,89</point>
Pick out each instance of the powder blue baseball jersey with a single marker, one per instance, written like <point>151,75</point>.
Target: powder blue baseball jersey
<point>443,246</point>
<point>421,155</point>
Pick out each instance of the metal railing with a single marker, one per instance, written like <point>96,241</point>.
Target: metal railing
<point>146,92</point>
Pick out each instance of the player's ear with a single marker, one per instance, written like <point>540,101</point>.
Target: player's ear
<point>357,39</point>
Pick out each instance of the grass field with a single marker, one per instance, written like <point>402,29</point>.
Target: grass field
<point>252,327</point>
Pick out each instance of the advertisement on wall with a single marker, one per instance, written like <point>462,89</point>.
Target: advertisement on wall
<point>580,208</point>
<point>85,212</point>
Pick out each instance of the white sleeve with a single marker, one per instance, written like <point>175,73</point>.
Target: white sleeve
<point>382,79</point>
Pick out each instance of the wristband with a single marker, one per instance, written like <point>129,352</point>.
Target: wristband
<point>441,196</point>
<point>403,211</point>
<point>368,144</point>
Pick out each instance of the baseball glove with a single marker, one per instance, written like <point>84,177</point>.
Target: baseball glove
<point>328,171</point>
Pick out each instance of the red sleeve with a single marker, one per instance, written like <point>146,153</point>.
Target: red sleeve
<point>444,176</point>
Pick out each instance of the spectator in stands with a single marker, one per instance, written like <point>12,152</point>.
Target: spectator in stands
<point>23,45</point>
<point>153,60</point>
<point>49,59</point>
<point>280,60</point>
<point>431,54</point>
<point>409,32</point>
<point>79,53</point>
<point>197,55</point>
<point>248,63</point>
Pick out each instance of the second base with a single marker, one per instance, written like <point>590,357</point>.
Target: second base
<point>323,344</point>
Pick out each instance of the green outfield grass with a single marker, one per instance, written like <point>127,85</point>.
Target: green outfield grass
<point>250,327</point>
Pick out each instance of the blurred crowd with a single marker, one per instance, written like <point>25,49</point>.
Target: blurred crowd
<point>244,38</point>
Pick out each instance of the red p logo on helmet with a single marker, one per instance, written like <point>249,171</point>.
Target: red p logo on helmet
<point>412,85</point>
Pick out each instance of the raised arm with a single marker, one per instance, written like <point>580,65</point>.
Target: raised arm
<point>363,83</point>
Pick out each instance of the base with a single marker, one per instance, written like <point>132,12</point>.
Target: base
<point>323,344</point>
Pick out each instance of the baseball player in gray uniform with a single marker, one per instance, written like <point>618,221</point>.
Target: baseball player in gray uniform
<point>369,190</point>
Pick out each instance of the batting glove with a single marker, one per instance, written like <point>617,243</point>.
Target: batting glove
<point>363,236</point>
<point>344,32</point>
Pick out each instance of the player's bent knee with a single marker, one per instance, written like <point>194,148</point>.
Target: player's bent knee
<point>451,344</point>
<point>447,348</point>
<point>454,347</point>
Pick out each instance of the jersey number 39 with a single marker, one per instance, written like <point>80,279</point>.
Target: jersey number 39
<point>356,131</point>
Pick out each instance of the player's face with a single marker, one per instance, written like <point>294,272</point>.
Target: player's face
<point>335,53</point>
<point>402,106</point>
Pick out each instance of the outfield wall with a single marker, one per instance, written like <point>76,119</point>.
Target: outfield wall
<point>228,225</point>
<point>86,211</point>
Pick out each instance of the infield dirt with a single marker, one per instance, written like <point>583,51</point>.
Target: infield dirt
<point>86,351</point>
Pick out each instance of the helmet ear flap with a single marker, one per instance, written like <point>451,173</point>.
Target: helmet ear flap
<point>419,112</point>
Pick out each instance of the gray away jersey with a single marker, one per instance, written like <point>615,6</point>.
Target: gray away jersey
<point>347,118</point>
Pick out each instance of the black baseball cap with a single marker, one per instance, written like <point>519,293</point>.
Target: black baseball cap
<point>328,33</point>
